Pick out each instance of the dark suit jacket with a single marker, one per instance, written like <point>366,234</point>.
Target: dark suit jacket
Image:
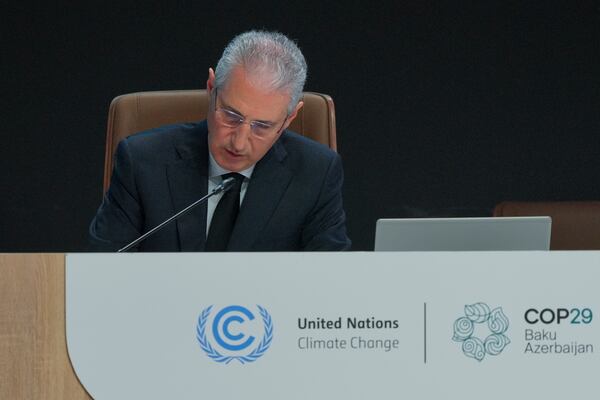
<point>293,200</point>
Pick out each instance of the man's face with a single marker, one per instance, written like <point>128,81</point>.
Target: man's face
<point>236,149</point>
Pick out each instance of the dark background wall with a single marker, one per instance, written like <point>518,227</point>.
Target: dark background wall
<point>443,108</point>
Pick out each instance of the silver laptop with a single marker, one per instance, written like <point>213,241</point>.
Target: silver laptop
<point>463,234</point>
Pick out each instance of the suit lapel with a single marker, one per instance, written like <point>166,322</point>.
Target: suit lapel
<point>188,182</point>
<point>269,181</point>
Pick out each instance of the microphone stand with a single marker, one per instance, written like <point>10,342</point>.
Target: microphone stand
<point>223,187</point>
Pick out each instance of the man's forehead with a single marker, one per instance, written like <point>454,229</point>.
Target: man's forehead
<point>247,94</point>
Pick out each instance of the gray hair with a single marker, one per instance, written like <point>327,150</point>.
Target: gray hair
<point>271,56</point>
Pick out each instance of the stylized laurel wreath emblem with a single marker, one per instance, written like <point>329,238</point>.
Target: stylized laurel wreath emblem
<point>218,357</point>
<point>464,328</point>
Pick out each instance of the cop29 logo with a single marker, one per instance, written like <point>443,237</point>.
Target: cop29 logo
<point>479,314</point>
<point>234,333</point>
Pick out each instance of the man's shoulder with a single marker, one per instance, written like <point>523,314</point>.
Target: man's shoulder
<point>167,134</point>
<point>166,140</point>
<point>297,145</point>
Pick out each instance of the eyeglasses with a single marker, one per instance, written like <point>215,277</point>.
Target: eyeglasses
<point>231,119</point>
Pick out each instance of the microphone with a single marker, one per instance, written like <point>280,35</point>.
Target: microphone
<point>223,187</point>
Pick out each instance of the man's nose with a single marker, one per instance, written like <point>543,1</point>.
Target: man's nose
<point>240,137</point>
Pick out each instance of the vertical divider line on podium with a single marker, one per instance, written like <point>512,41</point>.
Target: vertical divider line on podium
<point>424,333</point>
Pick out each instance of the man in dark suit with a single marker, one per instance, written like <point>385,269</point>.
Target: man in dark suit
<point>287,191</point>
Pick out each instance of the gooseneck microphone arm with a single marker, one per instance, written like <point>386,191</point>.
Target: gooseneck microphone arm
<point>223,187</point>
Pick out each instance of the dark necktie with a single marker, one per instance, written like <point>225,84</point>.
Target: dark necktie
<point>224,216</point>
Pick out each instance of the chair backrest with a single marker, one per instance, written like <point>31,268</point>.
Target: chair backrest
<point>135,112</point>
<point>575,224</point>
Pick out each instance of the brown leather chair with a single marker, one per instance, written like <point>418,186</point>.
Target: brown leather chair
<point>575,224</point>
<point>135,112</point>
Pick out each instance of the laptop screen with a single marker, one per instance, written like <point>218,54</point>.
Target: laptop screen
<point>463,234</point>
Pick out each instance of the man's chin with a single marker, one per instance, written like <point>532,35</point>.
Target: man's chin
<point>232,163</point>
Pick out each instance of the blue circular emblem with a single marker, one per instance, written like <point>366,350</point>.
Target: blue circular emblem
<point>227,335</point>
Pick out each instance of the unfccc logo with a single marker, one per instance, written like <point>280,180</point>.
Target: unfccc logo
<point>233,334</point>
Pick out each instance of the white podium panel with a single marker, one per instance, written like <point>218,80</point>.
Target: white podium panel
<point>491,325</point>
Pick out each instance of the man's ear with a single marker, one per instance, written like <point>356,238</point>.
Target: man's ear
<point>210,82</point>
<point>293,115</point>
